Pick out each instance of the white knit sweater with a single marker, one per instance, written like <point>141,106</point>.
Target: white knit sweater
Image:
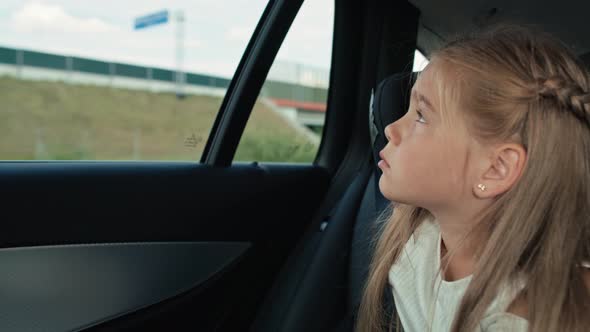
<point>415,281</point>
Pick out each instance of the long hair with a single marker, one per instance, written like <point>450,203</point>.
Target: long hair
<point>520,85</point>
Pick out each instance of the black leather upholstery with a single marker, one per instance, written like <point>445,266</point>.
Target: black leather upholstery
<point>321,287</point>
<point>390,102</point>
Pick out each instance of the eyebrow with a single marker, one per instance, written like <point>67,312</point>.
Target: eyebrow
<point>423,99</point>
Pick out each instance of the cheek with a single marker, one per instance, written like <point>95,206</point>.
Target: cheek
<point>427,166</point>
<point>423,171</point>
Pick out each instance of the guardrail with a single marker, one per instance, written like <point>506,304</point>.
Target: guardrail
<point>70,64</point>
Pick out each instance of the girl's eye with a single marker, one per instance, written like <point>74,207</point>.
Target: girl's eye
<point>420,117</point>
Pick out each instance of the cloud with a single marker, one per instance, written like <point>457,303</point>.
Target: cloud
<point>238,33</point>
<point>61,29</point>
<point>216,32</point>
<point>35,16</point>
<point>193,43</point>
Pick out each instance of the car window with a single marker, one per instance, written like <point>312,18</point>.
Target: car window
<point>117,80</point>
<point>287,122</point>
<point>420,61</point>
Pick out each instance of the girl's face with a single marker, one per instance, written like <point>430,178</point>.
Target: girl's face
<point>426,161</point>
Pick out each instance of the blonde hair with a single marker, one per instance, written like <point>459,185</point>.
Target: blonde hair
<point>519,84</point>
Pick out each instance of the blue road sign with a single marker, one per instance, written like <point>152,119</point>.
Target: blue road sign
<point>152,19</point>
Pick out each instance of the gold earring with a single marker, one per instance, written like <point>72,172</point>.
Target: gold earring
<point>482,187</point>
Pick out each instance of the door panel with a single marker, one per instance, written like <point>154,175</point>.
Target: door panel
<point>158,219</point>
<point>52,207</point>
<point>91,283</point>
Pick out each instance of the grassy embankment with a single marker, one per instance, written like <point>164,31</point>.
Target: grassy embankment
<point>58,121</point>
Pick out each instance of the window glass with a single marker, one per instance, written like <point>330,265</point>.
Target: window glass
<point>420,61</point>
<point>117,80</point>
<point>287,122</point>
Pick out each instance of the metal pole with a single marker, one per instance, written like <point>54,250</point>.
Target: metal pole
<point>111,73</point>
<point>20,57</point>
<point>149,76</point>
<point>69,69</point>
<point>137,144</point>
<point>180,19</point>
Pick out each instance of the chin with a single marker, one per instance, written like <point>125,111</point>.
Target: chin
<point>388,191</point>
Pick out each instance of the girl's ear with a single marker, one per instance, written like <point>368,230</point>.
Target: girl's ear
<point>502,170</point>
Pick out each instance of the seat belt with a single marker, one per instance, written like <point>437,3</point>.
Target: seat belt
<point>363,173</point>
<point>308,243</point>
<point>377,139</point>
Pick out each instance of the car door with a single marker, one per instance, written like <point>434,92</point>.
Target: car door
<point>109,245</point>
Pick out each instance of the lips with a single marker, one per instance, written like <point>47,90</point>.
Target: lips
<point>382,163</point>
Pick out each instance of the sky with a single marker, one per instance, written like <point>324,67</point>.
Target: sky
<point>216,31</point>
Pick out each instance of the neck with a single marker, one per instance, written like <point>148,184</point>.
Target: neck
<point>456,250</point>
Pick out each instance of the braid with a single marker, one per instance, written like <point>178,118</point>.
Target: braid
<point>569,96</point>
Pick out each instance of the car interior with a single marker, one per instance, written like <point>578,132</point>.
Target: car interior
<point>218,245</point>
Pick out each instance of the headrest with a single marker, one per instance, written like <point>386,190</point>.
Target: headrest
<point>389,102</point>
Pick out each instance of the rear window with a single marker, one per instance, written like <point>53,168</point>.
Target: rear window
<point>116,80</point>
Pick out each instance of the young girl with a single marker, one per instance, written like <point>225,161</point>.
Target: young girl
<point>490,172</point>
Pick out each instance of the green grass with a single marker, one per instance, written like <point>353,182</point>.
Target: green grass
<point>58,121</point>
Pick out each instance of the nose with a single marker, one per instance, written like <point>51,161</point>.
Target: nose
<point>392,133</point>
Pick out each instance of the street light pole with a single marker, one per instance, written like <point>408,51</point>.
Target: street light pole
<point>180,76</point>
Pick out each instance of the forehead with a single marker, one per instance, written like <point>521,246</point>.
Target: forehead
<point>439,84</point>
<point>426,83</point>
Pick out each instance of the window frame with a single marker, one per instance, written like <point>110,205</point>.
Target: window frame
<point>247,82</point>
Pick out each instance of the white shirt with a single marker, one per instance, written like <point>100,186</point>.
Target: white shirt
<point>415,280</point>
